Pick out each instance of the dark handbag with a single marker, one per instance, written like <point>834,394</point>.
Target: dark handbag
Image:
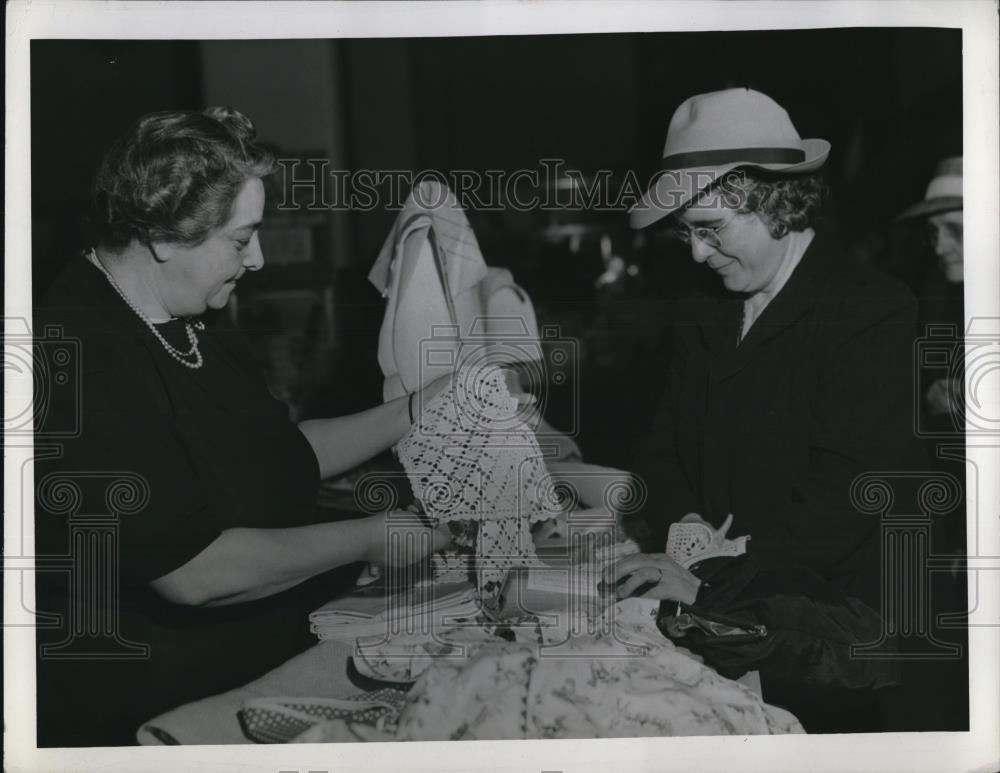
<point>789,624</point>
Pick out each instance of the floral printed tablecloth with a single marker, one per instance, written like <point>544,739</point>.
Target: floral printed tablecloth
<point>625,680</point>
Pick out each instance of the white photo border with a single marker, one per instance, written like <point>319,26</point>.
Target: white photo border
<point>27,20</point>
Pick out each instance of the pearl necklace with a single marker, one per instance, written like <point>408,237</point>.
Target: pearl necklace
<point>189,326</point>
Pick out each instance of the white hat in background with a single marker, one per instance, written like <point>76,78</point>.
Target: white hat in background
<point>944,193</point>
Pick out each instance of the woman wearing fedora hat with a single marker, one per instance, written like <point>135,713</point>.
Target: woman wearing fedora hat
<point>941,296</point>
<point>786,384</point>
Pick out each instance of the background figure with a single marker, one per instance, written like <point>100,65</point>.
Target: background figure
<point>941,297</point>
<point>941,294</point>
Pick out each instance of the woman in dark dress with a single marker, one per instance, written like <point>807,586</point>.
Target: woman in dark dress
<point>212,552</point>
<point>785,385</point>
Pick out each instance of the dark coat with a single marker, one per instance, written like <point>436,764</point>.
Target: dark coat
<point>775,428</point>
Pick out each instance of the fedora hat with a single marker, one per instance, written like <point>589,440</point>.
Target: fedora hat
<point>944,193</point>
<point>712,134</point>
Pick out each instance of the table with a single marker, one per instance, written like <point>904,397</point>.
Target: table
<point>320,671</point>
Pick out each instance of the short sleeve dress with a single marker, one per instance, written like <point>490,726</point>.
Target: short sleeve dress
<point>166,458</point>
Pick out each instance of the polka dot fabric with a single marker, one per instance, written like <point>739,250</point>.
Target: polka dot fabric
<point>469,457</point>
<point>279,720</point>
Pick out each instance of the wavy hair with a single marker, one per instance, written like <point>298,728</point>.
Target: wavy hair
<point>784,202</point>
<point>174,176</point>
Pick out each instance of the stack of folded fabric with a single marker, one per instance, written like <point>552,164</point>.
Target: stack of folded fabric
<point>375,613</point>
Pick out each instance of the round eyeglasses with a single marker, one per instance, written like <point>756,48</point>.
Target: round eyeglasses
<point>704,233</point>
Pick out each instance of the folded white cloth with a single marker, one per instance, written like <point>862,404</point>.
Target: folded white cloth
<point>443,302</point>
<point>510,315</point>
<point>427,606</point>
<point>428,270</point>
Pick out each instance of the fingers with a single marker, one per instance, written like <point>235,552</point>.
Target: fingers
<point>441,539</point>
<point>524,399</point>
<point>937,397</point>
<point>641,576</point>
<point>546,530</point>
<point>614,571</point>
<point>431,390</point>
<point>411,544</point>
<point>526,409</point>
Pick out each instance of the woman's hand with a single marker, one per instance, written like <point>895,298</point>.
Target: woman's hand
<point>401,539</point>
<point>696,518</point>
<point>524,399</point>
<point>669,579</point>
<point>945,396</point>
<point>429,392</point>
<point>248,564</point>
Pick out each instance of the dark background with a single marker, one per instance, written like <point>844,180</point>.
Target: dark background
<point>889,101</point>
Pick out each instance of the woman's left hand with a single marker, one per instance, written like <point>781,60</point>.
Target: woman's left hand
<point>669,579</point>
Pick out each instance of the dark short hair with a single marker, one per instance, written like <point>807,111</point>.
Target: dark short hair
<point>784,202</point>
<point>174,175</point>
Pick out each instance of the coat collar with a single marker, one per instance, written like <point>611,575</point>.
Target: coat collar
<point>721,326</point>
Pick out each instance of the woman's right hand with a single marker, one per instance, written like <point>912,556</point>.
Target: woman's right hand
<point>429,392</point>
<point>402,538</point>
<point>438,385</point>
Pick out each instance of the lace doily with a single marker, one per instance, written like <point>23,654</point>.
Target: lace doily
<point>689,542</point>
<point>470,458</point>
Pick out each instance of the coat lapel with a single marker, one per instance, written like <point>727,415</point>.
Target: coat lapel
<point>794,300</point>
<point>718,320</point>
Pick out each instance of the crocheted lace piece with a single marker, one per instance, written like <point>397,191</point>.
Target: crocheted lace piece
<point>689,543</point>
<point>470,458</point>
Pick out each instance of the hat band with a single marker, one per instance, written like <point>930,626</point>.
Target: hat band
<point>733,155</point>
